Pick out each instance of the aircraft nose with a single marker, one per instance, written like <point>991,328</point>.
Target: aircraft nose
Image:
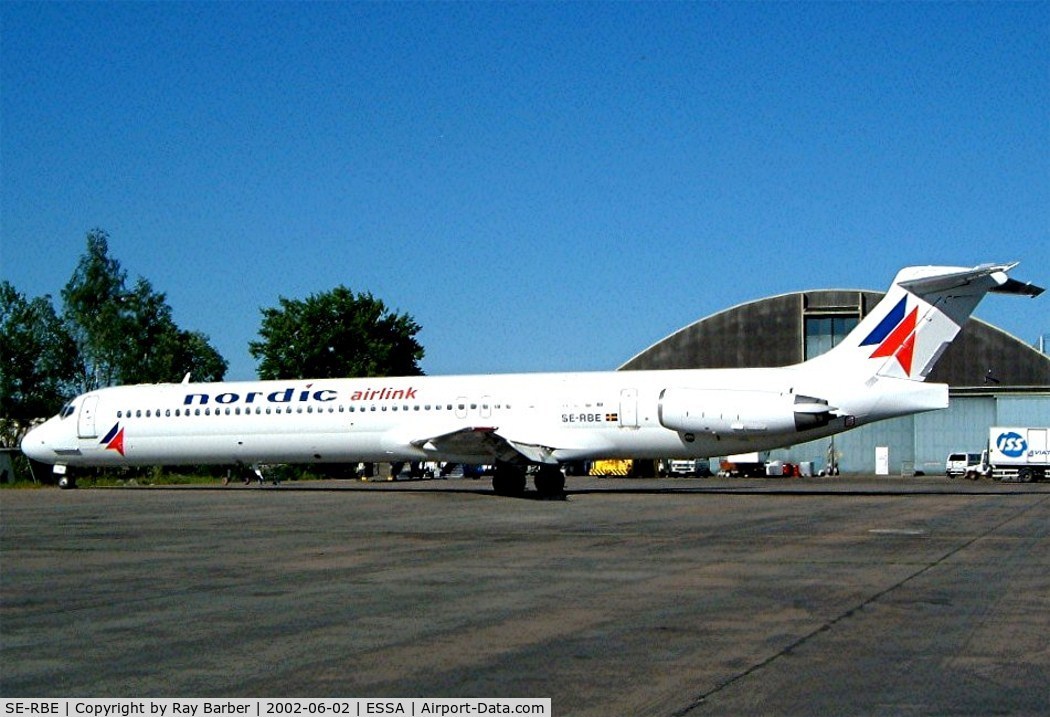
<point>36,445</point>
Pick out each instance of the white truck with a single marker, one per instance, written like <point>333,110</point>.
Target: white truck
<point>1020,454</point>
<point>751,465</point>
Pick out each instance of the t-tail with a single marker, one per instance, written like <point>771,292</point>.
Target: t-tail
<point>905,335</point>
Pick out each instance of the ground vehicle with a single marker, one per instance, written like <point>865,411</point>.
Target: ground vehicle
<point>958,464</point>
<point>689,467</point>
<point>1014,453</point>
<point>752,465</point>
<point>612,467</point>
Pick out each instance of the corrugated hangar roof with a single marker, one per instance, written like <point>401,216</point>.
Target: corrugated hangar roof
<point>769,332</point>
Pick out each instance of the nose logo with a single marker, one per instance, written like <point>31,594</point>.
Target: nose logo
<point>114,440</point>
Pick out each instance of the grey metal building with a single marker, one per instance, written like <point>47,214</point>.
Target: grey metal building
<point>994,378</point>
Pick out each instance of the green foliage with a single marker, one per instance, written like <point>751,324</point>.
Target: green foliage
<point>127,336</point>
<point>336,334</point>
<point>105,335</point>
<point>37,361</point>
<point>155,349</point>
<point>94,314</point>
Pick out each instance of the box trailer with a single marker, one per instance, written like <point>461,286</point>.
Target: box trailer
<point>750,465</point>
<point>1017,453</point>
<point>688,467</point>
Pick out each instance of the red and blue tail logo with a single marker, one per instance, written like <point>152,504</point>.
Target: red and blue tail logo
<point>114,440</point>
<point>895,335</point>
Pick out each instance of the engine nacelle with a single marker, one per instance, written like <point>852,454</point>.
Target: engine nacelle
<point>728,412</point>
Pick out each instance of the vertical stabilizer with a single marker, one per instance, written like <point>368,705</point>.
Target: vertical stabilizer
<point>909,330</point>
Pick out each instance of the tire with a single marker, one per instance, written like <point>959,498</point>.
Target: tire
<point>549,482</point>
<point>509,481</point>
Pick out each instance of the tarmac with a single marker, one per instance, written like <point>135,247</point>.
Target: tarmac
<point>669,597</point>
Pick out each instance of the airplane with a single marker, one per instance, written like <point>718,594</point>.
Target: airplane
<point>534,423</point>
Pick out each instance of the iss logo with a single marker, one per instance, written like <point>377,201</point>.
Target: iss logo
<point>1011,444</point>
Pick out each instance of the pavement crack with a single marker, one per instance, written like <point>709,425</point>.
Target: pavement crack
<point>700,699</point>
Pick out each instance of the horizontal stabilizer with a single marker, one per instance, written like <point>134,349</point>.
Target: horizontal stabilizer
<point>1023,288</point>
<point>929,280</point>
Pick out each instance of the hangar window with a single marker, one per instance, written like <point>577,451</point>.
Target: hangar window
<point>823,333</point>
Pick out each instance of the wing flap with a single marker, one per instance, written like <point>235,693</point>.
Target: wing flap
<point>485,441</point>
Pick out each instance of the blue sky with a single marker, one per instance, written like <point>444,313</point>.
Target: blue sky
<point>543,186</point>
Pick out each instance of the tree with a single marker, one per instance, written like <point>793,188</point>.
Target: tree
<point>155,349</point>
<point>93,300</point>
<point>194,355</point>
<point>336,334</point>
<point>127,336</point>
<point>38,365</point>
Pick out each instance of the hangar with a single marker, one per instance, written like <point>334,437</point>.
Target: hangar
<point>994,378</point>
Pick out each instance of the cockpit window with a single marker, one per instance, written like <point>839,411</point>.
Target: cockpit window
<point>67,410</point>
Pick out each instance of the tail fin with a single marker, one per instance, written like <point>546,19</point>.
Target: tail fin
<point>924,310</point>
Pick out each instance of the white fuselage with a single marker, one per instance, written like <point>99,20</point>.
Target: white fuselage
<point>545,417</point>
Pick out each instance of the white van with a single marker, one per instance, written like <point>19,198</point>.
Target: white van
<point>958,463</point>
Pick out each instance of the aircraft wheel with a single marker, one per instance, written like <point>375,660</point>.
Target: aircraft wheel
<point>67,481</point>
<point>509,480</point>
<point>550,481</point>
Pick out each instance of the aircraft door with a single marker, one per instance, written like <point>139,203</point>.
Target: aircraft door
<point>486,406</point>
<point>629,408</point>
<point>461,407</point>
<point>86,419</point>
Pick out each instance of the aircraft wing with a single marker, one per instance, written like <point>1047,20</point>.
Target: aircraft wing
<point>485,440</point>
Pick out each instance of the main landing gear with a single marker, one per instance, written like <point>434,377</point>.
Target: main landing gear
<point>510,478</point>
